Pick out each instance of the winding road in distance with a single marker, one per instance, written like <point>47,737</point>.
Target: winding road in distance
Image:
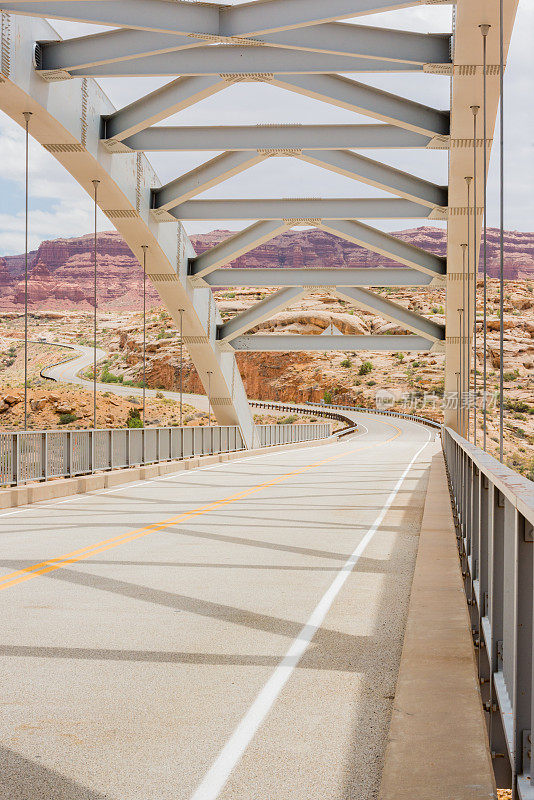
<point>67,372</point>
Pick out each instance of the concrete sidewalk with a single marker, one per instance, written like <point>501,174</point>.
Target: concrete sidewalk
<point>437,748</point>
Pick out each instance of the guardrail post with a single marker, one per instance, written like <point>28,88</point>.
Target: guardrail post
<point>522,656</point>
<point>483,583</point>
<point>92,449</point>
<point>44,455</point>
<point>128,455</point>
<point>498,744</point>
<point>69,454</point>
<point>16,459</point>
<point>110,453</point>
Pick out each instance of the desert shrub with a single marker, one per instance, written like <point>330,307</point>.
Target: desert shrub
<point>64,419</point>
<point>365,368</point>
<point>327,396</point>
<point>346,362</point>
<point>511,376</point>
<point>134,418</point>
<point>287,420</point>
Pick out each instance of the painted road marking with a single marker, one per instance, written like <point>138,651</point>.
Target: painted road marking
<point>217,776</point>
<point>44,567</point>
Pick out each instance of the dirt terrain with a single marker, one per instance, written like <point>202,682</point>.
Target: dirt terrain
<point>416,380</point>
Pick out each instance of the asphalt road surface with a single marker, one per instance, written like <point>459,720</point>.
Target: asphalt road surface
<point>229,632</point>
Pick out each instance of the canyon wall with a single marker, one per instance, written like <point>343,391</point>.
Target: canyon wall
<point>61,270</point>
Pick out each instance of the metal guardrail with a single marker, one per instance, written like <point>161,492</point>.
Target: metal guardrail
<point>385,412</point>
<point>301,408</point>
<point>41,455</point>
<point>494,515</point>
<point>286,434</point>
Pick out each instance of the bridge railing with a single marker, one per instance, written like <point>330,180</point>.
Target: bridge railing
<point>42,455</point>
<point>286,434</point>
<point>494,514</point>
<point>385,412</point>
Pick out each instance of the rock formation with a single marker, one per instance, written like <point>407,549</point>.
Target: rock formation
<point>61,270</point>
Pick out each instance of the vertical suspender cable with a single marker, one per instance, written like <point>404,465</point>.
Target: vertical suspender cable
<point>209,398</point>
<point>27,115</point>
<point>475,110</point>
<point>501,225</point>
<point>468,322</point>
<point>181,363</point>
<point>484,30</point>
<point>459,399</point>
<point>95,185</point>
<point>144,247</point>
<point>458,382</point>
<point>463,349</point>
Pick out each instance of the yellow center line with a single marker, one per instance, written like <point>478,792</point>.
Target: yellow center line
<point>52,564</point>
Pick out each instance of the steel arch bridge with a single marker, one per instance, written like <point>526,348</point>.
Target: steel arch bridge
<point>301,46</point>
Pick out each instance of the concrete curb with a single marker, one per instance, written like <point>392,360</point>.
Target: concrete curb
<point>64,487</point>
<point>437,746</point>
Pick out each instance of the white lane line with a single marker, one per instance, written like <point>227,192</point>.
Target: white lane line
<point>218,774</point>
<point>173,476</point>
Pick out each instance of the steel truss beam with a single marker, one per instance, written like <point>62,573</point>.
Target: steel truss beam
<point>272,15</point>
<point>363,99</point>
<point>286,343</point>
<point>304,210</point>
<point>334,89</point>
<point>231,60</point>
<point>204,177</point>
<point>260,312</point>
<point>156,106</point>
<point>356,232</point>
<point>374,173</point>
<point>235,246</point>
<point>394,312</point>
<point>389,246</point>
<point>203,18</point>
<point>315,278</point>
<point>334,38</point>
<point>275,137</point>
<point>342,162</point>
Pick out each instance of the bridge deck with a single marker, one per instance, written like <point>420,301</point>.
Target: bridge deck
<point>256,606</point>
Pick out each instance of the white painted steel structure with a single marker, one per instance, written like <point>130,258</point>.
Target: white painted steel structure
<point>301,46</point>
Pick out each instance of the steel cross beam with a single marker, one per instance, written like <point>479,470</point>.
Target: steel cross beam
<point>275,137</point>
<point>367,100</point>
<point>386,245</point>
<point>235,246</point>
<point>300,209</point>
<point>231,60</point>
<point>350,230</point>
<point>315,278</point>
<point>333,38</point>
<point>159,104</point>
<point>394,312</point>
<point>342,162</point>
<point>286,343</point>
<point>204,19</point>
<point>260,312</point>
<point>204,177</point>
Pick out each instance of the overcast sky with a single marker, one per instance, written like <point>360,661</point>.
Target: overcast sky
<point>60,208</point>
